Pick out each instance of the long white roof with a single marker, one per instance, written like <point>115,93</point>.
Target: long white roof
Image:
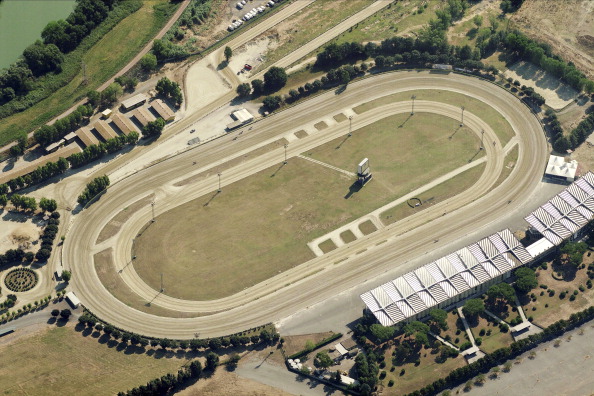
<point>435,282</point>
<point>566,212</point>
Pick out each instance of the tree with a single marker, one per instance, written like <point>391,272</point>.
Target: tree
<point>48,205</point>
<point>275,78</point>
<point>110,94</point>
<point>478,20</point>
<point>42,58</point>
<point>228,54</point>
<point>94,98</point>
<point>3,200</point>
<point>170,89</point>
<point>154,128</point>
<point>382,333</point>
<point>43,254</point>
<point>501,291</point>
<point>525,279</point>
<point>66,275</point>
<point>574,252</point>
<point>55,312</point>
<point>148,62</point>
<point>244,89</point>
<point>272,102</point>
<point>323,359</point>
<point>212,360</point>
<point>232,361</point>
<point>215,343</point>
<point>195,368</point>
<point>473,307</point>
<point>65,313</point>
<point>439,317</point>
<point>258,87</point>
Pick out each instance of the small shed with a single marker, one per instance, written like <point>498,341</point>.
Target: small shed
<point>340,349</point>
<point>105,114</point>
<point>134,102</point>
<point>70,137</point>
<point>72,300</point>
<point>242,115</point>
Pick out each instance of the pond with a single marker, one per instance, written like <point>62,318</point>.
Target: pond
<point>21,23</point>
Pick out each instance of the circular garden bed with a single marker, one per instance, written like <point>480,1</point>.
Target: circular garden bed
<point>20,279</point>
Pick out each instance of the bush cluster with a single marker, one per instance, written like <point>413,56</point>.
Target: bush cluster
<point>94,187</point>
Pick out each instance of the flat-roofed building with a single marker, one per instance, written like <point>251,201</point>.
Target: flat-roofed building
<point>143,116</point>
<point>163,110</point>
<point>134,102</point>
<point>70,137</point>
<point>123,123</point>
<point>86,136</point>
<point>54,146</point>
<point>559,170</point>
<point>64,152</point>
<point>104,130</point>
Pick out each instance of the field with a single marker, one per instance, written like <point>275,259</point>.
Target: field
<point>495,340</point>
<point>307,24</point>
<point>260,226</point>
<point>495,120</point>
<point>60,361</point>
<point>102,61</point>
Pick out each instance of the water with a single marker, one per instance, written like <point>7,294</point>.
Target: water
<point>21,23</point>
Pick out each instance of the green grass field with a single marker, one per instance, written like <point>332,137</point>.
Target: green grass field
<point>260,226</point>
<point>495,120</point>
<point>61,361</point>
<point>102,61</point>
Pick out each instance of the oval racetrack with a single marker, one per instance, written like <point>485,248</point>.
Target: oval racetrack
<point>272,300</point>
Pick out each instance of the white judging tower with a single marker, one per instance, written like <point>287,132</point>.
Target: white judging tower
<point>363,172</point>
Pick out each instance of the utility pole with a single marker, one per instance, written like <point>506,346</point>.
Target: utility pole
<point>285,154</point>
<point>350,126</point>
<point>482,135</point>
<point>219,174</point>
<point>153,207</point>
<point>413,104</point>
<point>462,118</point>
<point>162,288</point>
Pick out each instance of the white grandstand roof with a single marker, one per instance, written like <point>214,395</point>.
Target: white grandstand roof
<point>438,281</point>
<point>567,212</point>
<point>558,167</point>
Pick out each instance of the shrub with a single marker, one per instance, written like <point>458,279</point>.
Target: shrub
<point>391,383</point>
<point>482,332</point>
<point>572,297</point>
<point>503,327</point>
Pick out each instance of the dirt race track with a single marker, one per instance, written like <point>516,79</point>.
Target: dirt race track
<point>320,278</point>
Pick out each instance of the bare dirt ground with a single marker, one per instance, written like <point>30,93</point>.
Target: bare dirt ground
<point>557,94</point>
<point>568,26</point>
<point>18,231</point>
<point>253,53</point>
<point>203,85</point>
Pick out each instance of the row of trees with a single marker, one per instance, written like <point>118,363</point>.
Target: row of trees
<point>576,137</point>
<point>274,79</point>
<point>96,151</point>
<point>154,128</point>
<point>52,133</point>
<point>169,382</point>
<point>94,187</point>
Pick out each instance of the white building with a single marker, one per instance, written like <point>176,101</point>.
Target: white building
<point>559,170</point>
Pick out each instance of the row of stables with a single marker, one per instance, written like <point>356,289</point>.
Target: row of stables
<point>114,125</point>
<point>470,271</point>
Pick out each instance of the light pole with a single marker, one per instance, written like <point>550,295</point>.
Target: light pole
<point>350,126</point>
<point>219,175</point>
<point>162,288</point>
<point>153,207</point>
<point>285,154</point>
<point>462,119</point>
<point>482,135</point>
<point>413,104</point>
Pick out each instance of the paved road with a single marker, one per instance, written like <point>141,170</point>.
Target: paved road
<point>407,239</point>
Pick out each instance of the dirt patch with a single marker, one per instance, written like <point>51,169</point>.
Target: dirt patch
<point>114,225</point>
<point>300,134</point>
<point>557,94</point>
<point>320,125</point>
<point>348,236</point>
<point>112,281</point>
<point>234,162</point>
<point>566,26</point>
<point>367,227</point>
<point>252,53</point>
<point>294,344</point>
<point>19,231</point>
<point>340,117</point>
<point>203,85</point>
<point>327,246</point>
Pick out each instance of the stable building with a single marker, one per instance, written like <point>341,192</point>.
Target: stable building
<point>163,110</point>
<point>143,116</point>
<point>134,102</point>
<point>104,130</point>
<point>86,136</point>
<point>124,124</point>
<point>561,171</point>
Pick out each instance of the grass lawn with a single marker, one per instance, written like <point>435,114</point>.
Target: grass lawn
<point>327,246</point>
<point>455,329</point>
<point>61,361</point>
<point>348,236</point>
<point>439,193</point>
<point>546,310</point>
<point>310,22</point>
<point>102,61</point>
<point>416,377</point>
<point>367,227</point>
<point>497,122</point>
<point>495,340</point>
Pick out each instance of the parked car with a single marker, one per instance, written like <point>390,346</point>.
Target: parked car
<point>247,67</point>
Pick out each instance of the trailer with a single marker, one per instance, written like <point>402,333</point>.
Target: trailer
<point>72,300</point>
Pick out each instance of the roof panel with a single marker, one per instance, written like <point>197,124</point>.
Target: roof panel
<point>403,287</point>
<point>456,262</point>
<point>438,293</point>
<point>424,276</point>
<point>383,318</point>
<point>498,242</point>
<point>446,267</point>
<point>435,272</point>
<point>391,291</point>
<point>510,240</point>
<point>381,296</point>
<point>370,301</point>
<point>413,281</point>
<point>469,278</point>
<point>467,258</point>
<point>488,248</point>
<point>477,252</point>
